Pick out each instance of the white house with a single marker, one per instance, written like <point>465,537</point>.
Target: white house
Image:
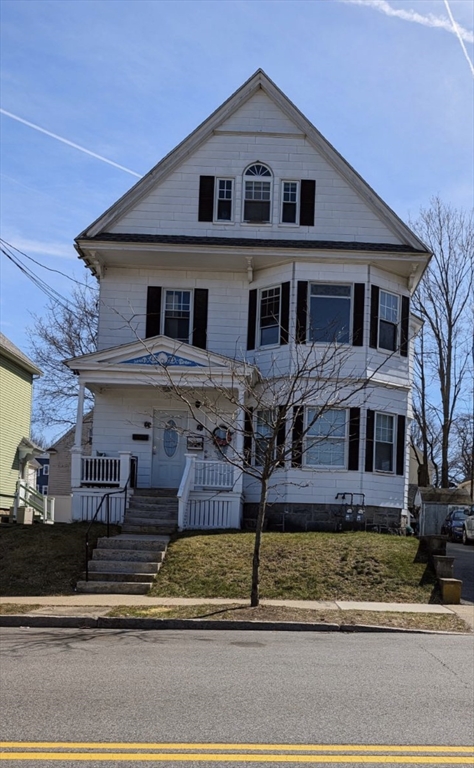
<point>252,245</point>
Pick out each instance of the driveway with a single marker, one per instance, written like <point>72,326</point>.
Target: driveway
<point>463,568</point>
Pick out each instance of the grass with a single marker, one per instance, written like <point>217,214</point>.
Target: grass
<point>8,609</point>
<point>43,559</point>
<point>433,621</point>
<point>298,566</point>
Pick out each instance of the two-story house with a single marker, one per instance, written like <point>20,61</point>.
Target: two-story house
<point>251,246</point>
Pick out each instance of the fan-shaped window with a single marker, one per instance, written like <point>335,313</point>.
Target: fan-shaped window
<point>257,193</point>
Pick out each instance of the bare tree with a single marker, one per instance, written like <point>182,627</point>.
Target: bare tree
<point>64,331</point>
<point>443,300</point>
<point>280,411</point>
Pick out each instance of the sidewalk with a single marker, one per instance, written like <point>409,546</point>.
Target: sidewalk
<point>95,606</point>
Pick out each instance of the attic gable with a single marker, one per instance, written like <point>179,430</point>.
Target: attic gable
<point>258,108</point>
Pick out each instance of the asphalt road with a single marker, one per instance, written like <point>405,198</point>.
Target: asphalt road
<point>308,693</point>
<point>463,568</point>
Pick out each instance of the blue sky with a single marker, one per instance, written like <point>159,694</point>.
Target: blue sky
<point>387,82</point>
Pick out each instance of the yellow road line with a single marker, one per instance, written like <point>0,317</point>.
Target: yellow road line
<point>155,757</point>
<point>240,747</point>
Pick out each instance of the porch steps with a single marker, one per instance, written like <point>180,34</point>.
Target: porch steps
<point>152,511</point>
<point>124,564</point>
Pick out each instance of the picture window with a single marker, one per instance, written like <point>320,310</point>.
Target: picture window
<point>329,313</point>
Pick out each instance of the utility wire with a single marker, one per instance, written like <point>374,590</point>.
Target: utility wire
<point>37,281</point>
<point>50,269</point>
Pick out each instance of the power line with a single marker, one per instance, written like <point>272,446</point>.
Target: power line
<point>37,281</point>
<point>50,269</point>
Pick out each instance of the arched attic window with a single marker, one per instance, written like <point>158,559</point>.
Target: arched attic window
<point>258,182</point>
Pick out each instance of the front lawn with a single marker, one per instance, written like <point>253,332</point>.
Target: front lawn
<point>299,566</point>
<point>43,559</point>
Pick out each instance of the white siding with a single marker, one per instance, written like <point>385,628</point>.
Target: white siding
<point>172,207</point>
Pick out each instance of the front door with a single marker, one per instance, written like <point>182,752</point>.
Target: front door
<point>169,448</point>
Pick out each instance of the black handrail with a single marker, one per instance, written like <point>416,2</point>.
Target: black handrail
<point>104,497</point>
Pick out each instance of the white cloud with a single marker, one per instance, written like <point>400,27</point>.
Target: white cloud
<point>42,248</point>
<point>427,20</point>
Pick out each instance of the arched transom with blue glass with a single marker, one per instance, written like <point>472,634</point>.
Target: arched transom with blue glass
<point>257,194</point>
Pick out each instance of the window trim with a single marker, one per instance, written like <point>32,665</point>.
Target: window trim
<point>45,469</point>
<point>271,180</point>
<point>347,343</point>
<point>394,443</point>
<point>259,344</point>
<point>296,222</point>
<point>216,219</point>
<point>396,350</point>
<point>191,312</point>
<point>345,439</point>
<point>256,435</point>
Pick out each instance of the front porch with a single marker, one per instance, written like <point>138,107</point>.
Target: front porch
<point>209,495</point>
<point>155,421</point>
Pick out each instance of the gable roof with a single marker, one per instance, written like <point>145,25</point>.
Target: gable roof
<point>259,80</point>
<point>8,349</point>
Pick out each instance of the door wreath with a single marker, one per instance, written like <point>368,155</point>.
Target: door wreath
<point>222,436</point>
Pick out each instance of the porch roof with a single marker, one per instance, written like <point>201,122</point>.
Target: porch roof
<point>160,361</point>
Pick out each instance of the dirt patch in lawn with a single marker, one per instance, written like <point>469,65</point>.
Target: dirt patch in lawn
<point>44,559</point>
<point>8,609</point>
<point>433,621</point>
<point>298,566</point>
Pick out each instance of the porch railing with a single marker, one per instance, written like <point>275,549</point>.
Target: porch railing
<point>26,496</point>
<point>213,474</point>
<point>100,470</point>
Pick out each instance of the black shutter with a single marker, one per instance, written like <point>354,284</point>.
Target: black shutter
<point>354,438</point>
<point>281,437</point>
<point>374,316</point>
<point>153,311</point>
<point>252,319</point>
<point>200,318</point>
<point>358,315</point>
<point>285,313</point>
<point>248,434</point>
<point>308,194</point>
<point>401,429</point>
<point>301,311</point>
<point>206,198</point>
<point>404,326</point>
<point>369,441</point>
<point>297,436</point>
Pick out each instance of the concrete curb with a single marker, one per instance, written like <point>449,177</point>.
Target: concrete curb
<point>105,622</point>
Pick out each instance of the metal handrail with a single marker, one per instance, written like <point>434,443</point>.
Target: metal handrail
<point>104,497</point>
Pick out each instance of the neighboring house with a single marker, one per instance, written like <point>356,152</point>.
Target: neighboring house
<point>60,468</point>
<point>250,243</point>
<point>468,485</point>
<point>42,475</point>
<point>18,452</point>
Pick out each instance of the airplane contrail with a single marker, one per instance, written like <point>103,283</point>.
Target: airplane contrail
<point>69,143</point>
<point>458,34</point>
<point>428,20</point>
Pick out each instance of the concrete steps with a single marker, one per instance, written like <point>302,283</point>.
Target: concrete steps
<point>124,564</point>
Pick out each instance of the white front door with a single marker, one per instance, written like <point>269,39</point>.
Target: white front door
<point>169,448</point>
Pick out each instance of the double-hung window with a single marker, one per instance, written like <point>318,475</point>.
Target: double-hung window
<point>264,426</point>
<point>177,315</point>
<point>329,313</point>
<point>325,438</point>
<point>384,442</point>
<point>224,190</point>
<point>257,194</point>
<point>389,316</point>
<point>289,203</point>
<point>269,316</point>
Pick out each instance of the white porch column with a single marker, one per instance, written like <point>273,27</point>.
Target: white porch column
<point>76,450</point>
<point>125,466</point>
<point>239,437</point>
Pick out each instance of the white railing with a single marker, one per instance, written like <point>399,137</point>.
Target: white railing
<point>213,474</point>
<point>210,513</point>
<point>26,496</point>
<point>100,470</point>
<point>86,503</point>
<point>185,488</point>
